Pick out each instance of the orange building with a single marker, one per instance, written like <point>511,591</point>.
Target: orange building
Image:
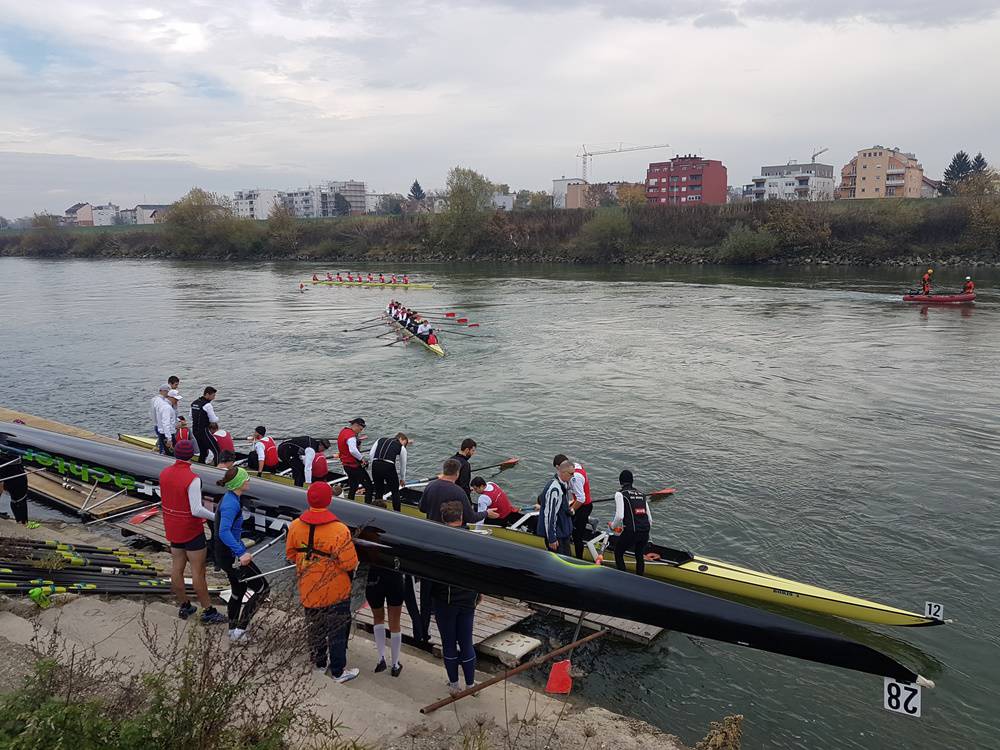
<point>880,172</point>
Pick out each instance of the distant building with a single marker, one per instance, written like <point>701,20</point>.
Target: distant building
<point>353,190</point>
<point>930,188</point>
<point>106,215</point>
<point>687,179</point>
<point>577,195</point>
<point>80,215</point>
<point>560,187</point>
<point>256,204</point>
<point>502,202</point>
<point>127,216</point>
<point>880,172</point>
<point>305,203</point>
<point>793,181</point>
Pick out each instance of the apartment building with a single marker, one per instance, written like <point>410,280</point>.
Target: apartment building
<point>795,182</point>
<point>560,188</point>
<point>687,180</point>
<point>106,215</point>
<point>256,204</point>
<point>880,172</point>
<point>353,190</point>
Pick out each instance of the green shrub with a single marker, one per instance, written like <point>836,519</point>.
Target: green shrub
<point>605,237</point>
<point>746,245</point>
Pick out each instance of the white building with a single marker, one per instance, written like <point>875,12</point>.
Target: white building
<point>560,187</point>
<point>106,215</point>
<point>304,203</point>
<point>256,204</point>
<point>127,216</point>
<point>794,182</point>
<point>353,190</point>
<point>502,202</point>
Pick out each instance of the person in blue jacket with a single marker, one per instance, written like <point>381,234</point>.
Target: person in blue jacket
<point>555,520</point>
<point>232,556</point>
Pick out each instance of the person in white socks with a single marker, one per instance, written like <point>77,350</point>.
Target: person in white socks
<point>386,587</point>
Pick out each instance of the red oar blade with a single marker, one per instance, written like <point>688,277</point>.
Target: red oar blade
<point>462,320</point>
<point>510,463</point>
<point>660,494</point>
<point>560,682</point>
<point>473,325</point>
<point>144,515</point>
<point>450,314</point>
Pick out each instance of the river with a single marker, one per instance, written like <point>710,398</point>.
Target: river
<point>814,425</point>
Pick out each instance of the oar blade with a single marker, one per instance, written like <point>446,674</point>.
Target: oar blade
<point>450,314</point>
<point>510,463</point>
<point>660,494</point>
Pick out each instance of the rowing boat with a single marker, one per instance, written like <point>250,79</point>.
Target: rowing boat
<point>461,558</point>
<point>410,336</point>
<point>960,298</point>
<point>373,284</point>
<point>705,574</point>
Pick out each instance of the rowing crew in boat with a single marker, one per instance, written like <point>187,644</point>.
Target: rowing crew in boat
<point>371,279</point>
<point>412,321</point>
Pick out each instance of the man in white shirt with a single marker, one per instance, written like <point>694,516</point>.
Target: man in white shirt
<point>164,390</point>
<point>166,422</point>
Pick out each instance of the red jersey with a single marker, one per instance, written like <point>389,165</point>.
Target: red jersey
<point>586,484</point>
<point>498,500</point>
<point>225,441</point>
<point>270,451</point>
<point>179,525</point>
<point>346,457</point>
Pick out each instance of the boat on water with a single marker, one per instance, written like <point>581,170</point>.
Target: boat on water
<point>687,569</point>
<point>373,284</point>
<point>941,299</point>
<point>459,557</point>
<point>436,349</point>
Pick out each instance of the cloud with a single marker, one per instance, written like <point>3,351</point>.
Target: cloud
<point>717,20</point>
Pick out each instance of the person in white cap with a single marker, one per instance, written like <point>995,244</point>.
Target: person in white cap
<point>969,287</point>
<point>164,390</point>
<point>166,422</point>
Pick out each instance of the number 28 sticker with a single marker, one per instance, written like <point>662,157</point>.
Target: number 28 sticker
<point>901,697</point>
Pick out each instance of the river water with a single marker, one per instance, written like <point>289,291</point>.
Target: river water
<point>814,425</point>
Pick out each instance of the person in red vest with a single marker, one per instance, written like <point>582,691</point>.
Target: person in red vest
<point>353,460</point>
<point>183,433</point>
<point>381,278</point>
<point>315,277</point>
<point>406,279</point>
<point>339,276</point>
<point>925,282</point>
<point>223,438</point>
<point>492,497</point>
<point>969,287</point>
<point>580,504</point>
<point>184,519</point>
<point>264,453</point>
<point>432,338</point>
<point>329,276</point>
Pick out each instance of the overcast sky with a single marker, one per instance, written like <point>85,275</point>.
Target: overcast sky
<point>132,103</point>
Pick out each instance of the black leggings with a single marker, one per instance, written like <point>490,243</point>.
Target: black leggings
<point>455,626</point>
<point>207,443</point>
<point>240,613</point>
<point>18,490</point>
<point>636,541</point>
<point>581,533</point>
<point>357,476</point>
<point>385,479</point>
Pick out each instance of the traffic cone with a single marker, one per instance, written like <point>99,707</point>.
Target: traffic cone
<point>560,682</point>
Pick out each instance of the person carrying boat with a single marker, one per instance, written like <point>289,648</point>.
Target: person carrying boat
<point>354,463</point>
<point>385,454</point>
<point>555,522</point>
<point>321,548</point>
<point>184,519</point>
<point>492,497</point>
<point>166,422</point>
<point>202,417</point>
<point>455,614</point>
<point>969,287</point>
<point>302,456</point>
<point>580,504</point>
<point>925,282</point>
<point>263,453</point>
<point>14,482</point>
<point>465,452</point>
<point>386,587</point>
<point>631,523</point>
<point>232,555</point>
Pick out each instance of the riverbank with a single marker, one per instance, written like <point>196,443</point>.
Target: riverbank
<point>122,637</point>
<point>948,232</point>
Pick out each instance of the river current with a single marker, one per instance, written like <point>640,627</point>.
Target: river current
<point>814,426</point>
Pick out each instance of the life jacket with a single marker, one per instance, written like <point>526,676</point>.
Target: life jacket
<point>320,466</point>
<point>586,483</point>
<point>183,433</point>
<point>270,451</point>
<point>636,518</point>
<point>969,287</point>
<point>225,441</point>
<point>387,449</point>
<point>431,338</point>
<point>498,500</point>
<point>324,556</point>
<point>199,422</point>
<point>346,458</point>
<point>179,525</point>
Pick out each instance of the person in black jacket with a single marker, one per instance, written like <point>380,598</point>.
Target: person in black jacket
<point>465,453</point>
<point>455,613</point>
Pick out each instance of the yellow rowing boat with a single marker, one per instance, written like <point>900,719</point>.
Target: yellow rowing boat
<point>408,336</point>
<point>373,284</point>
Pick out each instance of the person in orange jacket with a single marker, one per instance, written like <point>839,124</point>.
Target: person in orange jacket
<point>322,549</point>
<point>925,282</point>
<point>969,286</point>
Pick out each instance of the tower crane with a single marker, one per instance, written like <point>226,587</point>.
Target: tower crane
<point>819,153</point>
<point>587,156</point>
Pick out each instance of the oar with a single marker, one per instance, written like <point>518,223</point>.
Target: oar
<point>362,328</point>
<point>658,495</point>
<point>510,463</point>
<point>452,332</point>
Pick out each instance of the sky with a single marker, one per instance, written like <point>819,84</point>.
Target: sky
<point>131,103</point>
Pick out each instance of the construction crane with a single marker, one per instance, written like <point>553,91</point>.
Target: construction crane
<point>587,156</point>
<point>819,153</point>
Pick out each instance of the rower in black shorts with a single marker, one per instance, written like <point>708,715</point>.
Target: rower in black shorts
<point>386,587</point>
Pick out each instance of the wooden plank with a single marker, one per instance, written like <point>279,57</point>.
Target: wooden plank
<point>9,415</point>
<point>70,494</point>
<point>151,528</point>
<point>627,629</point>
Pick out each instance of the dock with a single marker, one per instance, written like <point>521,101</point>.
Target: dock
<point>629,630</point>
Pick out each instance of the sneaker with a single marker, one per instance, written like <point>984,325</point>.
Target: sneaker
<point>238,636</point>
<point>469,687</point>
<point>186,610</point>
<point>454,688</point>
<point>212,616</point>
<point>396,669</point>
<point>380,667</point>
<point>319,670</point>
<point>347,675</point>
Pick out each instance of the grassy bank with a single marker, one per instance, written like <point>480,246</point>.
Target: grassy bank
<point>952,230</point>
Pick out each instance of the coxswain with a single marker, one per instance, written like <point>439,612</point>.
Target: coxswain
<point>304,456</point>
<point>203,415</point>
<point>184,519</point>
<point>223,439</point>
<point>183,431</point>
<point>353,461</point>
<point>969,287</point>
<point>465,452</point>
<point>385,454</point>
<point>631,523</point>
<point>432,338</point>
<point>14,481</point>
<point>580,503</point>
<point>925,282</point>
<point>423,329</point>
<point>492,497</point>
<point>166,422</point>
<point>263,453</point>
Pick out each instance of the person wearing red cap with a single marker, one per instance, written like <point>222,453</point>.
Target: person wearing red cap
<point>184,519</point>
<point>323,552</point>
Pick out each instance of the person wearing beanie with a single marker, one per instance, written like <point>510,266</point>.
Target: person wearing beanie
<point>263,455</point>
<point>184,519</point>
<point>232,556</point>
<point>322,550</point>
<point>631,523</point>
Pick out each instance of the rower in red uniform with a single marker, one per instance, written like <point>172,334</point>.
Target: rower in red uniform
<point>381,278</point>
<point>315,277</point>
<point>353,460</point>
<point>264,453</point>
<point>339,277</point>
<point>393,279</point>
<point>432,338</point>
<point>406,279</point>
<point>925,282</point>
<point>183,433</point>
<point>491,496</point>
<point>969,287</point>
<point>350,278</point>
<point>371,278</point>
<point>223,438</point>
<point>302,287</point>
<point>328,276</point>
